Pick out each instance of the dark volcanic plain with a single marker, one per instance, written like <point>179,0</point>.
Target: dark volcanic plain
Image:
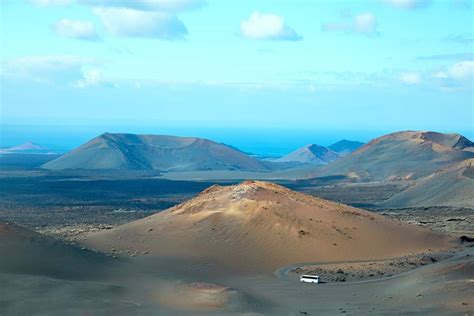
<point>67,203</point>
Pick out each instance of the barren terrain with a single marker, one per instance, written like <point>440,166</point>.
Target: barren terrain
<point>130,281</point>
<point>367,270</point>
<point>85,282</point>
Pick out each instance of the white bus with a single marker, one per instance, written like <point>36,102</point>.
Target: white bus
<point>309,278</point>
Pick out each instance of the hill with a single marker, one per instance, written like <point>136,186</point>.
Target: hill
<point>311,154</point>
<point>345,147</point>
<point>25,252</point>
<point>452,186</point>
<point>403,155</point>
<point>155,152</point>
<point>259,227</point>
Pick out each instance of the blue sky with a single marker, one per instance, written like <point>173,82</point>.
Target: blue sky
<point>310,69</point>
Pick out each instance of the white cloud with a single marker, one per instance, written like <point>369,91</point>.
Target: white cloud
<point>48,69</point>
<point>135,23</point>
<point>408,4</point>
<point>410,78</point>
<point>91,77</point>
<point>83,30</point>
<point>457,77</point>
<point>46,3</point>
<point>364,23</point>
<point>460,71</point>
<point>267,26</point>
<point>147,5</point>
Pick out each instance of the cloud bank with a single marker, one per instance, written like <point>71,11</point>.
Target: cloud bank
<point>136,23</point>
<point>147,5</point>
<point>49,69</point>
<point>128,18</point>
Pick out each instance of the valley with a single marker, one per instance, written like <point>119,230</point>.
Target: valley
<point>236,158</point>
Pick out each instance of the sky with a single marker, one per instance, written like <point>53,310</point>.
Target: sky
<point>265,76</point>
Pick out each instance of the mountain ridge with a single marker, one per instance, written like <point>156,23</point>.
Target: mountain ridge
<point>155,152</point>
<point>402,155</point>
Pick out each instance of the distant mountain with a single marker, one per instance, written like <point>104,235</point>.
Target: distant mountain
<point>155,152</point>
<point>402,155</point>
<point>311,154</point>
<point>345,147</point>
<point>26,148</point>
<point>452,186</point>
